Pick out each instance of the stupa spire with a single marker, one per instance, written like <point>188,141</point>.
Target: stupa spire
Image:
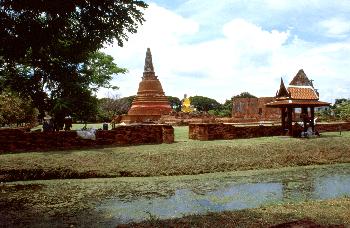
<point>150,103</point>
<point>148,62</point>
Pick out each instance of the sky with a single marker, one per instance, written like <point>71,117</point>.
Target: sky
<point>221,48</point>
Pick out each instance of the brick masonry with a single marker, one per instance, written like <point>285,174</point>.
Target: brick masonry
<point>204,131</point>
<point>13,140</point>
<point>254,109</point>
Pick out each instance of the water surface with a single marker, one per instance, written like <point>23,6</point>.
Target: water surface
<point>214,194</point>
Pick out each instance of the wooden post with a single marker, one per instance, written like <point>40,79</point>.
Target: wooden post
<point>312,110</point>
<point>289,121</point>
<point>283,117</point>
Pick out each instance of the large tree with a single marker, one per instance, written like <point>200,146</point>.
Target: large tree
<point>48,31</point>
<point>112,106</point>
<point>49,48</point>
<point>244,95</point>
<point>175,103</point>
<point>204,103</point>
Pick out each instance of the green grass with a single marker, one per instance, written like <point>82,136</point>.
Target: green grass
<point>184,157</point>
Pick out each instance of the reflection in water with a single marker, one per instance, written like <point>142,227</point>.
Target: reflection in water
<point>232,194</point>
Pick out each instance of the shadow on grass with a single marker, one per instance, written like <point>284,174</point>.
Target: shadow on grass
<point>41,174</point>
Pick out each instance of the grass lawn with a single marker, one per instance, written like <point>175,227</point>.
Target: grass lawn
<point>181,158</point>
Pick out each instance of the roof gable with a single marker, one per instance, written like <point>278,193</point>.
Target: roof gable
<point>300,79</point>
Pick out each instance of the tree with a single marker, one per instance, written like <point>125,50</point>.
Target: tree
<point>175,103</point>
<point>46,31</point>
<point>226,109</point>
<point>204,103</point>
<point>14,110</point>
<point>112,106</point>
<point>339,101</point>
<point>244,95</point>
<point>342,110</point>
<point>52,45</point>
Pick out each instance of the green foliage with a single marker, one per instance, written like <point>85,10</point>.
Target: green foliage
<point>204,103</point>
<point>244,95</point>
<point>339,111</point>
<point>99,69</point>
<point>343,110</point>
<point>325,115</point>
<point>15,110</point>
<point>175,103</point>
<point>49,49</point>
<point>339,101</point>
<point>110,107</point>
<point>223,110</point>
<point>51,30</point>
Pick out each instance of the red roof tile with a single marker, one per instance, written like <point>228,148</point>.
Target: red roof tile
<point>303,93</point>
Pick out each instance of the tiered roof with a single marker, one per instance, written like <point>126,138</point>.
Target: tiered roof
<point>300,93</point>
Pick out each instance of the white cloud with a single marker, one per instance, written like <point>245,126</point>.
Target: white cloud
<point>336,27</point>
<point>246,57</point>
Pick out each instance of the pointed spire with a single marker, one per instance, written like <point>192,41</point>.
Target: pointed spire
<point>300,79</point>
<point>282,92</point>
<point>148,62</point>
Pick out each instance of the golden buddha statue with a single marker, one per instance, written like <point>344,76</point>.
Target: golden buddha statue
<point>186,104</point>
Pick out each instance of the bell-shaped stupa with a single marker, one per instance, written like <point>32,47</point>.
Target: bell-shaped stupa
<point>150,103</point>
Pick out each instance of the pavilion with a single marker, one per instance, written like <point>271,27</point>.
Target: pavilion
<point>299,94</point>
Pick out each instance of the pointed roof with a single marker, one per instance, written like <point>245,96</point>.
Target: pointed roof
<point>148,61</point>
<point>300,93</point>
<point>282,92</point>
<point>300,79</point>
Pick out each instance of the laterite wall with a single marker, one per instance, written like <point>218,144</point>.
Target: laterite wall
<point>203,131</point>
<point>324,127</point>
<point>12,140</point>
<point>229,131</point>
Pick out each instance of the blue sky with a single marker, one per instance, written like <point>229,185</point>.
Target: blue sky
<point>221,48</point>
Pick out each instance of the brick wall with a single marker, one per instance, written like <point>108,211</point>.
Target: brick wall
<point>18,140</point>
<point>324,127</point>
<point>254,109</point>
<point>228,131</point>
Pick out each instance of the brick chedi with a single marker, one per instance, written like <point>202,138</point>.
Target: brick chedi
<point>150,103</point>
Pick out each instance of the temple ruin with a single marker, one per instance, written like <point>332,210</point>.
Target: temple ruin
<point>253,110</point>
<point>150,103</point>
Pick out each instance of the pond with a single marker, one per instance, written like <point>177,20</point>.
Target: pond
<point>108,202</point>
<point>227,193</point>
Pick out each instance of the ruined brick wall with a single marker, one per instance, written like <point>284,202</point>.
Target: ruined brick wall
<point>18,140</point>
<point>254,109</point>
<point>329,127</point>
<point>228,131</point>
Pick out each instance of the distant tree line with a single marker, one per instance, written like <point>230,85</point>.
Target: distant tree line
<point>340,110</point>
